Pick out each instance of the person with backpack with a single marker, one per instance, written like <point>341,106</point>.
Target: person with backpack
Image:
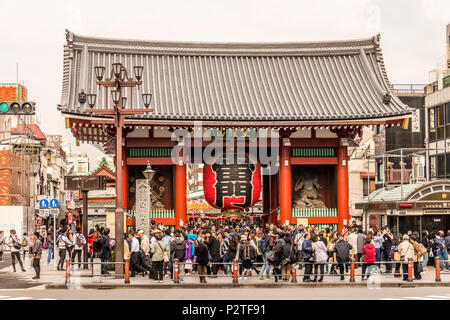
<point>62,243</point>
<point>36,251</point>
<point>25,246</point>
<point>15,246</point>
<point>264,247</point>
<point>2,245</point>
<point>247,255</point>
<point>178,251</point>
<point>78,241</point>
<point>341,253</point>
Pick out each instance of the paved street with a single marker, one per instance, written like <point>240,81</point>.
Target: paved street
<point>19,279</point>
<point>233,294</point>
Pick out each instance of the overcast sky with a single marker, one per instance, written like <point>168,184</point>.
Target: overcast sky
<point>32,34</point>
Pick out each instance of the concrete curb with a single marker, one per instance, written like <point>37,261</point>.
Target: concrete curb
<point>244,285</point>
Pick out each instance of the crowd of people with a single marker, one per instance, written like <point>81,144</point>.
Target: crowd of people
<point>270,251</point>
<point>208,248</point>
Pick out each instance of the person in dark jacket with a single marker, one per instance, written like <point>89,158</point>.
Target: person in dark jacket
<point>213,245</point>
<point>201,252</point>
<point>307,251</point>
<point>97,245</point>
<point>426,243</point>
<point>178,251</point>
<point>106,253</point>
<point>277,253</point>
<point>232,250</point>
<point>287,257</point>
<point>341,253</point>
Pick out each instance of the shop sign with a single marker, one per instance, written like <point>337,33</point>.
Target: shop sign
<point>437,211</point>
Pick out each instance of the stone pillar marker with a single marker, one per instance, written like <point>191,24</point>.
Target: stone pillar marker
<point>143,205</point>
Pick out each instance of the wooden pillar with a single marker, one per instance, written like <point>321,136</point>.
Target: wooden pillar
<point>273,198</point>
<point>285,183</point>
<point>342,187</point>
<point>124,179</point>
<point>180,194</point>
<point>266,198</point>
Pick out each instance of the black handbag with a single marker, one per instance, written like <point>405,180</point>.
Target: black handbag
<point>287,261</point>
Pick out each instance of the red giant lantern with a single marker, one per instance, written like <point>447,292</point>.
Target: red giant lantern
<point>232,186</point>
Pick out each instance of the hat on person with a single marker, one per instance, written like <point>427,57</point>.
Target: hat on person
<point>405,237</point>
<point>140,231</point>
<point>243,237</point>
<point>156,231</point>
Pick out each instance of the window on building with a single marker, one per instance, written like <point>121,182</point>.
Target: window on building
<point>432,119</point>
<point>447,107</point>
<point>441,115</point>
<point>365,186</point>
<point>433,167</point>
<point>441,165</point>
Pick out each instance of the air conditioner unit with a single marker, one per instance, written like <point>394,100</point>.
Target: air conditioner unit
<point>402,212</point>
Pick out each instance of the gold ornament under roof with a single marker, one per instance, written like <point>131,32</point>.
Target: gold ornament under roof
<point>132,190</point>
<point>444,196</point>
<point>232,213</point>
<point>161,179</point>
<point>162,189</point>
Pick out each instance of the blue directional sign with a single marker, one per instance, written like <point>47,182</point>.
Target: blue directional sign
<point>43,204</point>
<point>54,203</point>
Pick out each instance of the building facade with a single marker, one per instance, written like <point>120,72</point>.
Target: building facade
<point>311,98</point>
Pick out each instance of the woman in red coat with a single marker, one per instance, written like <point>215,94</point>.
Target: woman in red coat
<point>369,257</point>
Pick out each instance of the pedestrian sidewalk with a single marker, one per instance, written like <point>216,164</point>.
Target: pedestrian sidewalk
<point>52,278</point>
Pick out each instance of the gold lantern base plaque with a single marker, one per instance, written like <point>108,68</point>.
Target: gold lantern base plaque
<point>233,213</point>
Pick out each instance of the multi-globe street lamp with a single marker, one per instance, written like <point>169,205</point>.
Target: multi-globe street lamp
<point>117,81</point>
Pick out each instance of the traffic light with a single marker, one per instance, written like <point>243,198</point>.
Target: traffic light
<point>17,107</point>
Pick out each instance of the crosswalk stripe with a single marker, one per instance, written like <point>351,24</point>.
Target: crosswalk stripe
<point>440,297</point>
<point>47,299</point>
<point>19,298</point>
<point>1,297</point>
<point>391,299</point>
<point>419,298</point>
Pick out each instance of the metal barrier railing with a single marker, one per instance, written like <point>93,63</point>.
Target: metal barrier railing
<point>70,264</point>
<point>291,276</point>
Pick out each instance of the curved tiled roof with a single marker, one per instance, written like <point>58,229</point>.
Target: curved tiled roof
<point>333,80</point>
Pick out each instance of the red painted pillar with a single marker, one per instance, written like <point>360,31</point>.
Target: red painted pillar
<point>266,198</point>
<point>180,194</point>
<point>342,187</point>
<point>124,179</point>
<point>285,184</point>
<point>273,198</point>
